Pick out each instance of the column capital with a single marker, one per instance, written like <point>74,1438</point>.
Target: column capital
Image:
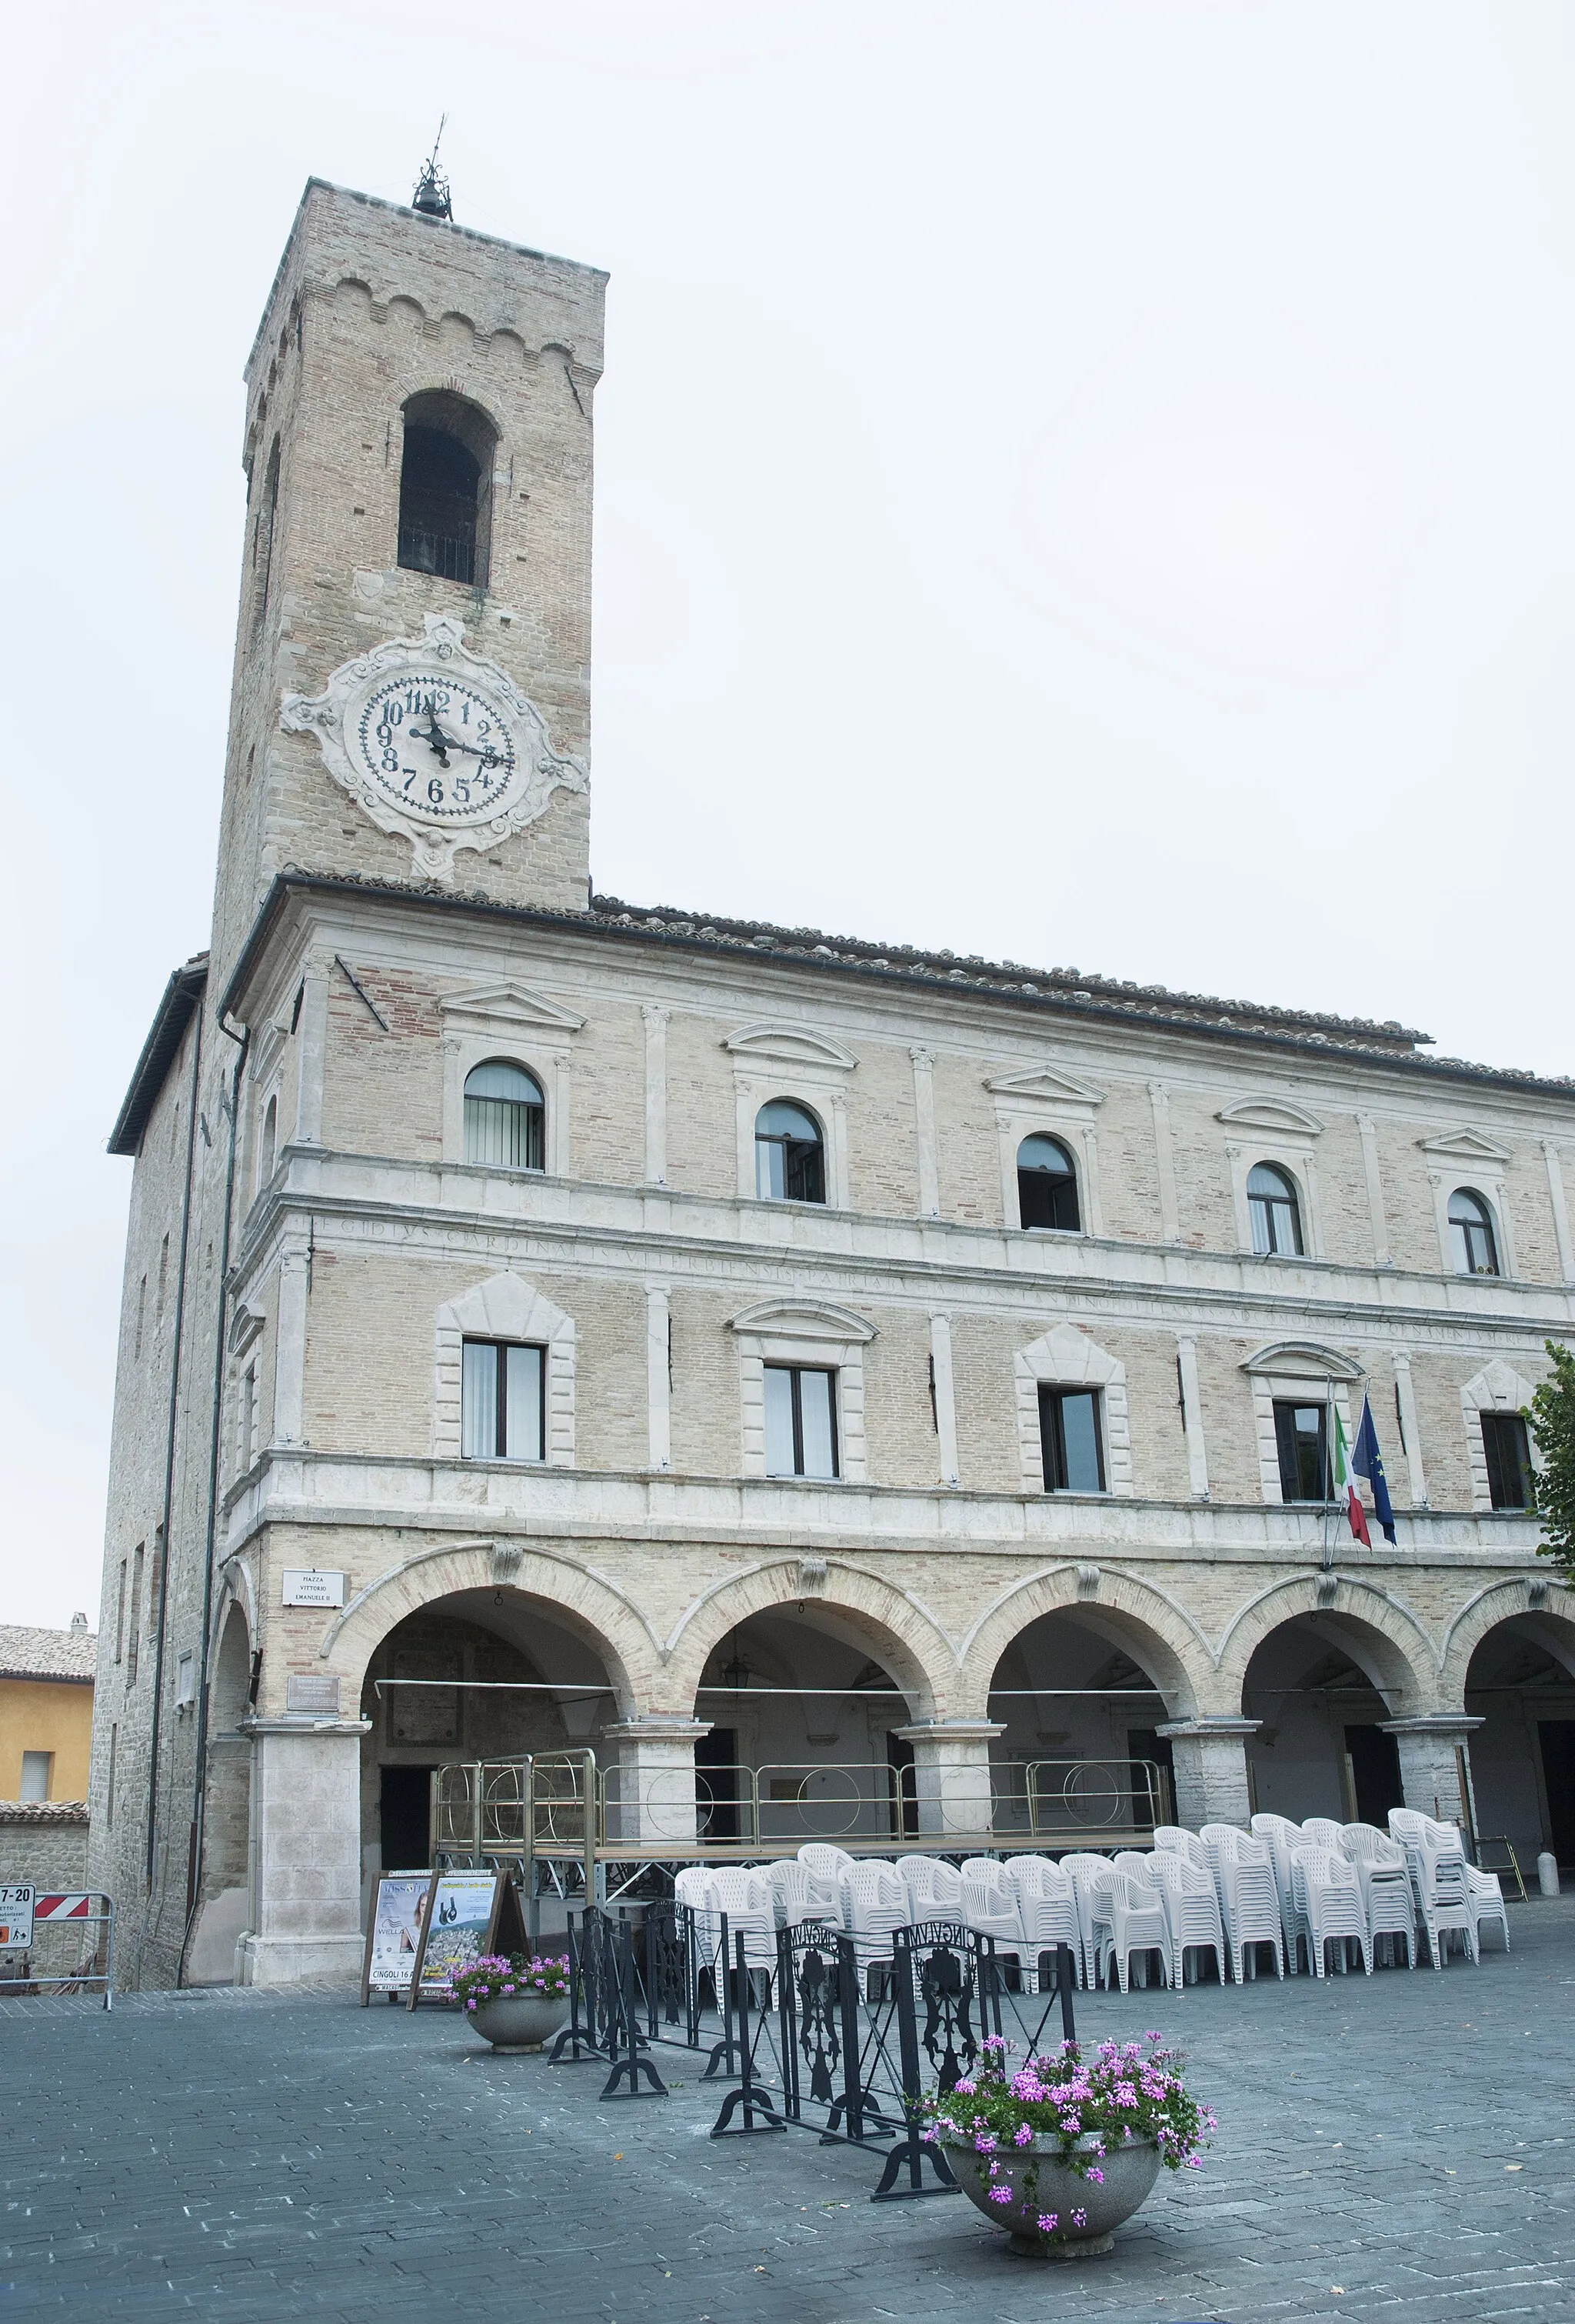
<point>656,1729</point>
<point>1447,1725</point>
<point>1223,1728</point>
<point>951,1730</point>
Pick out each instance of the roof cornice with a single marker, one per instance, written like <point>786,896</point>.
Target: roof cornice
<point>1057,992</point>
<point>182,995</point>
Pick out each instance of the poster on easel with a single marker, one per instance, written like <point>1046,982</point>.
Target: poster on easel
<point>466,1914</point>
<point>394,1932</point>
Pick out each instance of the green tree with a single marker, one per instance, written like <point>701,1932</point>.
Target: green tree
<point>1552,1421</point>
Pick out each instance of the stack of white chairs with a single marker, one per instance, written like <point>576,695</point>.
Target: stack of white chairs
<point>990,1907</point>
<point>1322,1830</point>
<point>747,1901</point>
<point>1329,1899</point>
<point>1135,1920</point>
<point>1192,1911</point>
<point>874,1906</point>
<point>1249,1901</point>
<point>1047,1908</point>
<point>1089,1876</point>
<point>1486,1903</point>
<point>692,1887</point>
<point>1282,1837</point>
<point>1437,1864</point>
<point>1386,1885</point>
<point>799,1896</point>
<point>934,1890</point>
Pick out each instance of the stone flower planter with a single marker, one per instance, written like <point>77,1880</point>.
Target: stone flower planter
<point>519,2021</point>
<point>1042,2186</point>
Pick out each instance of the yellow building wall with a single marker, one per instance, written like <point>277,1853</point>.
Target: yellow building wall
<point>53,1715</point>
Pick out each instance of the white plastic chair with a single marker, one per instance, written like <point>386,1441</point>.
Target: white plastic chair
<point>934,1890</point>
<point>1178,1842</point>
<point>1046,1907</point>
<point>1486,1899</point>
<point>1191,1912</point>
<point>1249,1901</point>
<point>1322,1830</point>
<point>692,1887</point>
<point>1437,1864</point>
<point>1386,1885</point>
<point>1329,1898</point>
<point>1089,1876</point>
<point>828,1867</point>
<point>797,1896</point>
<point>1282,1837</point>
<point>1136,1924</point>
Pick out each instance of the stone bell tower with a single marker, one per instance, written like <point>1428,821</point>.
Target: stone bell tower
<point>417,445</point>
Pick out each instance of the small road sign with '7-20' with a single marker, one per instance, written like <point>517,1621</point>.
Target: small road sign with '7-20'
<point>16,1917</point>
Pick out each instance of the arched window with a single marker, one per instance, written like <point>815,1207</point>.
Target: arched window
<point>1277,1222</point>
<point>445,489</point>
<point>268,1150</point>
<point>504,1116</point>
<point>1047,1186</point>
<point>1471,1233</point>
<point>789,1154</point>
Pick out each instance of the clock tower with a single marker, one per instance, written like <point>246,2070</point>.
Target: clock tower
<point>412,700</point>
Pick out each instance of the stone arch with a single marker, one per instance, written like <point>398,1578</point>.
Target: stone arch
<point>1385,1638</point>
<point>581,1601</point>
<point>1131,1613</point>
<point>1545,1602</point>
<point>898,1628</point>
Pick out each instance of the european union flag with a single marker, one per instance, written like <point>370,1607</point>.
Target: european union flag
<point>1368,1461</point>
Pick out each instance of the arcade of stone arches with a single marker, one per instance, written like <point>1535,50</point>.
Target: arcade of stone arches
<point>806,1697</point>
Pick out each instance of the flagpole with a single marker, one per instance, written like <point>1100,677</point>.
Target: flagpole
<point>1328,1471</point>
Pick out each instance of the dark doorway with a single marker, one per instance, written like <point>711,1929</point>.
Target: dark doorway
<point>403,1819</point>
<point>716,1783</point>
<point>1557,1737</point>
<point>1147,1743</point>
<point>902,1787</point>
<point>1375,1774</point>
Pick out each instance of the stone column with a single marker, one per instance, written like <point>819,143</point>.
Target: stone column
<point>1430,1768</point>
<point>658,1375</point>
<point>952,1775</point>
<point>1210,1756</point>
<point>290,1345</point>
<point>655,1798</point>
<point>306,1851</point>
<point>945,1397</point>
<point>656,1093</point>
<point>1169,1217</point>
<point>1192,1403</point>
<point>923,1113</point>
<point>312,1027</point>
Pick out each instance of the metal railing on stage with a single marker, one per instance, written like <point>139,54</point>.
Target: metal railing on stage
<point>561,1817</point>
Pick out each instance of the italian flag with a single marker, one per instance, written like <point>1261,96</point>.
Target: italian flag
<point>1344,1482</point>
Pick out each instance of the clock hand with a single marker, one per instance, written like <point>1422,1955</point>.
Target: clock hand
<point>434,735</point>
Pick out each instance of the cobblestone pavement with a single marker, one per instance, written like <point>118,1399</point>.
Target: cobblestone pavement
<point>1398,2148</point>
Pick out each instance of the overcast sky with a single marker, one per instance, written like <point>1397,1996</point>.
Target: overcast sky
<point>1086,484</point>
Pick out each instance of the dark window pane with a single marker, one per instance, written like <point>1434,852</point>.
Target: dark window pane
<point>1301,1436</point>
<point>789,1155</point>
<point>1069,1434</point>
<point>817,1424</point>
<point>1276,1220</point>
<point>1471,1234</point>
<point>439,490</point>
<point>523,1404</point>
<point>478,1401</point>
<point>781,1459</point>
<point>1509,1474</point>
<point>1048,1186</point>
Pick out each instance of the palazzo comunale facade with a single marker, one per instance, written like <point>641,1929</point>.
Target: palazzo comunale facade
<point>663,1315</point>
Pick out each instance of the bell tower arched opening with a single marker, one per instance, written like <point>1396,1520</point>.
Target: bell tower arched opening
<point>446,488</point>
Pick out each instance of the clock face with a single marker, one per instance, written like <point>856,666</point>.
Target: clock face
<point>437,745</point>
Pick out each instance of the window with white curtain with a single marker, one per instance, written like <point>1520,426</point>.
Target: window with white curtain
<point>502,1401</point>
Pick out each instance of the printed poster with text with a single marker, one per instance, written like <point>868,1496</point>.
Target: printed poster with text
<point>462,1911</point>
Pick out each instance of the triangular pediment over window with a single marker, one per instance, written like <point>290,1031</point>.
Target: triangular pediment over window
<point>1046,1085</point>
<point>790,1044</point>
<point>1280,1116</point>
<point>507,1003</point>
<point>1465,1146</point>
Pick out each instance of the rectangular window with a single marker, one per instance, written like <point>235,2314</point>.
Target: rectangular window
<point>801,1421</point>
<point>110,1778</point>
<point>1302,1436</point>
<point>36,1774</point>
<point>502,1401</point>
<point>120,1615</point>
<point>132,1636</point>
<point>1069,1437</point>
<point>1509,1468</point>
